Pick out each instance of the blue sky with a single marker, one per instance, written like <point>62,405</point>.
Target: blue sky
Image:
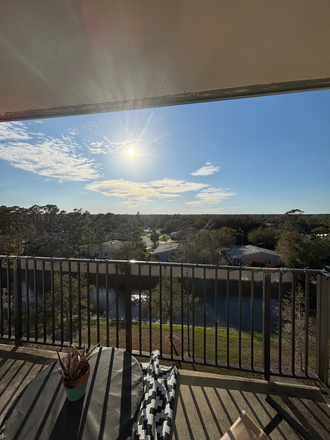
<point>244,156</point>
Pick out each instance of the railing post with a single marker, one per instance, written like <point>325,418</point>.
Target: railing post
<point>323,328</point>
<point>266,324</point>
<point>128,306</point>
<point>17,299</point>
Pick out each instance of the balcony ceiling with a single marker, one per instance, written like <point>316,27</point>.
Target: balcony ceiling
<point>68,57</point>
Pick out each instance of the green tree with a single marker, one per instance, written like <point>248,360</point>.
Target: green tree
<point>154,237</point>
<point>43,244</point>
<point>298,309</point>
<point>294,220</point>
<point>131,251</point>
<point>203,247</point>
<point>133,231</point>
<point>166,300</point>
<point>300,251</point>
<point>267,236</point>
<point>67,296</point>
<point>226,236</point>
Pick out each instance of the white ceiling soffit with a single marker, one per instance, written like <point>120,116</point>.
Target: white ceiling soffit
<point>69,57</point>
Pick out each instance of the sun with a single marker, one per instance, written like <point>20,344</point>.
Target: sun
<point>131,152</point>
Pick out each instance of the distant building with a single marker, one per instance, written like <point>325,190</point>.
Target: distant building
<point>240,255</point>
<point>162,252</point>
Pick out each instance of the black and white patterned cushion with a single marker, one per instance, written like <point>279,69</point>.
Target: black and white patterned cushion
<point>154,419</point>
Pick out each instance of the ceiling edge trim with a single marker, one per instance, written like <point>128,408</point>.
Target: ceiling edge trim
<point>171,100</point>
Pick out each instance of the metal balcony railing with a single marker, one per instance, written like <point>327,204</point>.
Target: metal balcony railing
<point>267,321</point>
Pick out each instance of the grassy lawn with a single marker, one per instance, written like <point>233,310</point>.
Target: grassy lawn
<point>231,347</point>
<point>237,350</point>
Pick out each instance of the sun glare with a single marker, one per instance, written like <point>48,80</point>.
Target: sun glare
<point>131,152</point>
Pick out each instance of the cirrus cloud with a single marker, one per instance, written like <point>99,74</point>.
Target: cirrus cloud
<point>107,146</point>
<point>50,157</point>
<point>206,170</point>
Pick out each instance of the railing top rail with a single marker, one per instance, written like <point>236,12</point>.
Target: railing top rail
<point>166,263</point>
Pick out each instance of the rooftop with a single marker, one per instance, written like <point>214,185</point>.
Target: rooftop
<point>241,251</point>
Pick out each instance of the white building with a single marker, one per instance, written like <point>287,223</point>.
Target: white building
<point>162,252</point>
<point>240,255</point>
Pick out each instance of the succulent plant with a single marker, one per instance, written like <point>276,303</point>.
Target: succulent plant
<point>75,364</point>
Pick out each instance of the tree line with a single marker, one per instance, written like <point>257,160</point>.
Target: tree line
<point>47,231</point>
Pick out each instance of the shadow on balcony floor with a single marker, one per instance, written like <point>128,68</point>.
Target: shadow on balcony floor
<point>207,404</point>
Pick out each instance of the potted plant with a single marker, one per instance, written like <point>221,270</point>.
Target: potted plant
<point>75,370</point>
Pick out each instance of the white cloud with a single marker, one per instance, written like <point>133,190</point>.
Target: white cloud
<point>13,131</point>
<point>206,170</point>
<point>140,193</point>
<point>73,131</point>
<point>211,196</point>
<point>49,157</point>
<point>107,146</point>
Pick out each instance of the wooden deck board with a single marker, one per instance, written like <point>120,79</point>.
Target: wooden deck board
<point>207,404</point>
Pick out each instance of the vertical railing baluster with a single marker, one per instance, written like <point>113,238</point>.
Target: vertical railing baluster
<point>240,318</point>
<point>216,315</point>
<point>88,305</point>
<point>160,310</point>
<point>9,297</point>
<point>227,316</point>
<point>79,304</point>
<point>107,301</point>
<point>252,320</point>
<point>117,307</point>
<point>128,306</point>
<point>307,280</point>
<point>17,300</point>
<point>97,263</point>
<point>266,324</point>
<point>52,299</point>
<point>150,311</point>
<point>171,311</point>
<point>182,313</point>
<point>204,315</point>
<point>188,313</point>
<point>280,322</point>
<point>70,300</point>
<point>193,314</point>
<point>1,301</point>
<point>293,321</point>
<point>61,302</point>
<point>43,283</point>
<point>140,313</point>
<point>36,324</point>
<point>26,270</point>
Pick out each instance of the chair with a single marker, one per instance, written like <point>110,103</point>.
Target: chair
<point>245,429</point>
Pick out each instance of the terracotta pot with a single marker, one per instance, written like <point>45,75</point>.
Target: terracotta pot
<point>75,389</point>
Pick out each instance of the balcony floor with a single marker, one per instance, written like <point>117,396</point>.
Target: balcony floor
<point>207,404</point>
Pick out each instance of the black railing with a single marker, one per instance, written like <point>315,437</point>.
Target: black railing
<point>267,321</point>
